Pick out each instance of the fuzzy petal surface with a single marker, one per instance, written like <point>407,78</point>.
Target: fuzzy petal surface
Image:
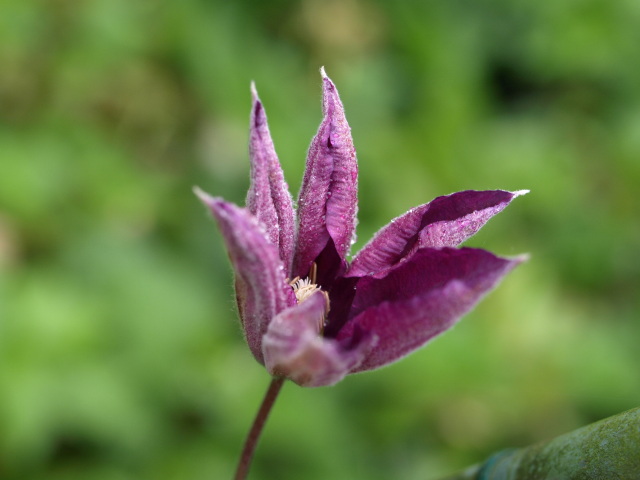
<point>408,305</point>
<point>446,221</point>
<point>268,198</point>
<point>293,347</point>
<point>328,197</point>
<point>261,288</point>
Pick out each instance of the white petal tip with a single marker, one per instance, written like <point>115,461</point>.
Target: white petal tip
<point>203,196</point>
<point>519,193</point>
<point>322,72</point>
<point>254,91</point>
<point>523,257</point>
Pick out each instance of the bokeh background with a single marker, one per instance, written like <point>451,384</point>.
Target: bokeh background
<point>120,353</point>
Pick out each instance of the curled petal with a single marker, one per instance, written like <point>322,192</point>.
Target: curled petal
<point>268,198</point>
<point>328,197</point>
<point>261,288</point>
<point>421,299</point>
<point>444,222</point>
<point>293,347</point>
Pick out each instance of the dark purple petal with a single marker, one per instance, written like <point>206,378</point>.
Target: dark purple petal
<point>414,302</point>
<point>444,222</point>
<point>261,288</point>
<point>268,198</point>
<point>293,347</point>
<point>328,197</point>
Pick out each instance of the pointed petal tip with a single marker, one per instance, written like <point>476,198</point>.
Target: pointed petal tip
<point>204,197</point>
<point>326,81</point>
<point>258,116</point>
<point>519,193</point>
<point>518,259</point>
<point>255,101</point>
<point>255,98</point>
<point>513,261</point>
<point>201,194</point>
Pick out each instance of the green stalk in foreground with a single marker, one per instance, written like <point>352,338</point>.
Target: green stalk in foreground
<point>605,450</point>
<point>256,429</point>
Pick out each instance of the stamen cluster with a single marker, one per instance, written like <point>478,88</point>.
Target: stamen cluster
<point>304,288</point>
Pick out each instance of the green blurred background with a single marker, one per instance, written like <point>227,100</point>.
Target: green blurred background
<point>120,352</point>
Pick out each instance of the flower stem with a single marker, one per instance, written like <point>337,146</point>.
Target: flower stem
<point>256,429</point>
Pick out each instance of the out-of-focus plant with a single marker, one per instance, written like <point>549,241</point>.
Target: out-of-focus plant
<point>608,449</point>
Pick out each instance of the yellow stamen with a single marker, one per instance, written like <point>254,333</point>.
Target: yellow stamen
<point>304,288</point>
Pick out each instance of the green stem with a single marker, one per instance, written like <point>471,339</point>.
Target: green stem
<point>256,429</point>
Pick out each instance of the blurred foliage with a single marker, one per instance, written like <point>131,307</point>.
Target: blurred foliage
<point>120,354</point>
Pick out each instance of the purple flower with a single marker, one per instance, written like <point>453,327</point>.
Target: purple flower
<point>307,313</point>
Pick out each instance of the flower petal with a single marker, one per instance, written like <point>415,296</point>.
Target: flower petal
<point>268,198</point>
<point>410,304</point>
<point>444,222</point>
<point>261,288</point>
<point>328,197</point>
<point>293,347</point>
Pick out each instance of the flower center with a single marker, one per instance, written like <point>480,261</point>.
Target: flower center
<point>305,287</point>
